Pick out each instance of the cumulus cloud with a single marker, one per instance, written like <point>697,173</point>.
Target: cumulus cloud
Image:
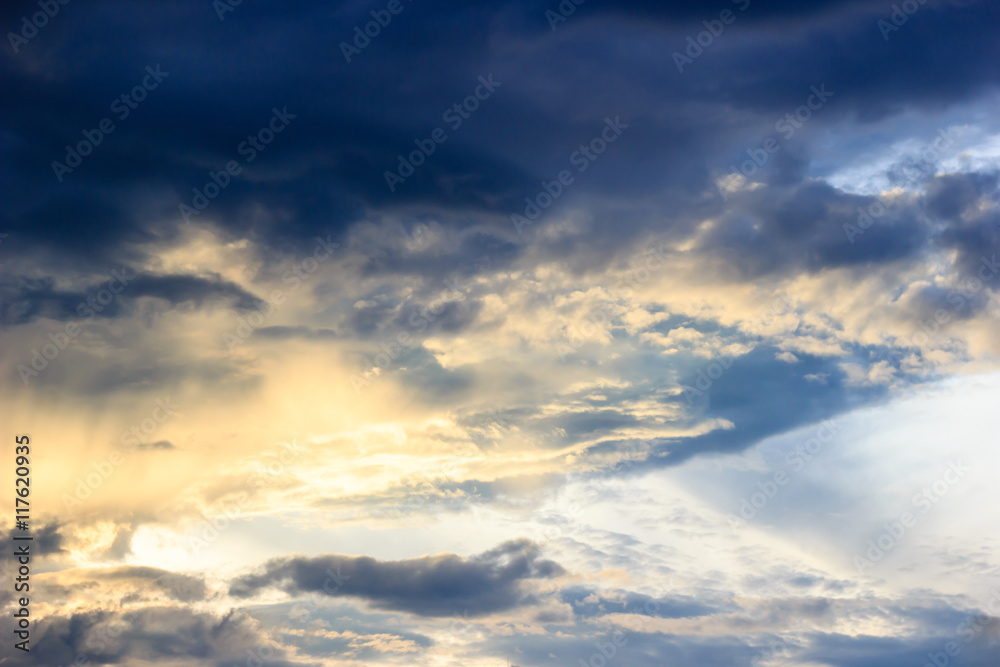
<point>170,635</point>
<point>441,585</point>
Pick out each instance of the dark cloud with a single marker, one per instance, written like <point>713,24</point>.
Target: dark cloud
<point>694,10</point>
<point>167,634</point>
<point>442,585</point>
<point>325,171</point>
<point>591,603</point>
<point>857,651</point>
<point>180,587</point>
<point>949,195</point>
<point>286,333</point>
<point>27,299</point>
<point>47,539</point>
<point>193,290</point>
<point>956,201</point>
<point>158,445</point>
<point>632,648</point>
<point>764,396</point>
<point>802,228</point>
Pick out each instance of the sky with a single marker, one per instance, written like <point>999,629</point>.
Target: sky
<point>437,333</point>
